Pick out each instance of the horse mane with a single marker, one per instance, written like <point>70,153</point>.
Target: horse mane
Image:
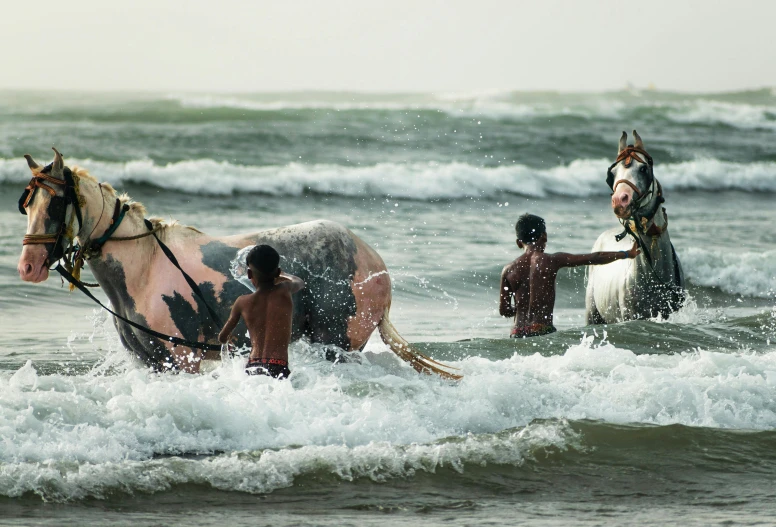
<point>135,207</point>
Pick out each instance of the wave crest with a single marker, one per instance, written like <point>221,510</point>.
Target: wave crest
<point>419,181</point>
<point>738,273</point>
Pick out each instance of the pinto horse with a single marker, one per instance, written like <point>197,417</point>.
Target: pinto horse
<point>653,283</point>
<point>71,215</point>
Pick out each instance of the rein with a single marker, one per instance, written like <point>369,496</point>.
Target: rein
<point>169,338</point>
<point>152,230</point>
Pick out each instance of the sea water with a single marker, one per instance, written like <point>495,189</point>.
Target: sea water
<point>643,422</point>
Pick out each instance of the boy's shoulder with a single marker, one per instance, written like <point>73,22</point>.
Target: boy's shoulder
<point>516,262</point>
<point>512,267</point>
<point>279,289</point>
<point>239,300</point>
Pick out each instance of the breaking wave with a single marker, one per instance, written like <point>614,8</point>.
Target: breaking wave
<point>419,181</point>
<point>738,273</point>
<point>87,436</point>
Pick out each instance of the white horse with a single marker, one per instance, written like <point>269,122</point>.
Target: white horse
<point>653,283</point>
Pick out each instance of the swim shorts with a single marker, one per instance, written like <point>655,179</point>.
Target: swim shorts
<point>272,367</point>
<point>532,330</point>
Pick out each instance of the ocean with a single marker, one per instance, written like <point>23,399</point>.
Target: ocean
<point>648,422</point>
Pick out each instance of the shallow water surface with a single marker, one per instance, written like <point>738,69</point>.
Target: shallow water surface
<point>644,422</point>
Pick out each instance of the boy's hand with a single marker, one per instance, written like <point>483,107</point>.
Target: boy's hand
<point>634,251</point>
<point>294,282</point>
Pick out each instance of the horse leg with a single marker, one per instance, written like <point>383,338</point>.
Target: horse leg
<point>594,317</point>
<point>591,311</point>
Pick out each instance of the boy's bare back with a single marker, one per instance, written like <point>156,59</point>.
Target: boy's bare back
<point>268,313</point>
<point>531,279</point>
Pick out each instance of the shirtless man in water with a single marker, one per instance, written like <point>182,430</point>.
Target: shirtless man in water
<point>531,278</point>
<point>267,313</point>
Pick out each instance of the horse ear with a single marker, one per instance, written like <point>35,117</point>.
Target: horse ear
<point>623,142</point>
<point>637,142</point>
<point>59,163</point>
<point>31,163</point>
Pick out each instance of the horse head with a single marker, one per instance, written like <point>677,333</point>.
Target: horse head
<point>51,205</point>
<point>631,178</point>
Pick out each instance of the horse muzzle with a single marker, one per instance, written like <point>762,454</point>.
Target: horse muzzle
<point>33,264</point>
<point>622,205</point>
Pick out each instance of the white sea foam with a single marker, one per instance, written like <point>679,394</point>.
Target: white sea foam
<point>492,104</point>
<point>263,472</point>
<point>211,101</point>
<point>583,177</point>
<point>70,437</point>
<point>735,272</point>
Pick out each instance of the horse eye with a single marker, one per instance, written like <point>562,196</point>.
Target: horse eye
<point>643,169</point>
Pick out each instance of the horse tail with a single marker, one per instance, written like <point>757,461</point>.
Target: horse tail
<point>405,352</point>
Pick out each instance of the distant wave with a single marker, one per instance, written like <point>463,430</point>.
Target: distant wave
<point>419,181</point>
<point>754,109</point>
<point>739,273</point>
<point>757,113</point>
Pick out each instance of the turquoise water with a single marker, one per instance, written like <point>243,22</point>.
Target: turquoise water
<point>647,422</point>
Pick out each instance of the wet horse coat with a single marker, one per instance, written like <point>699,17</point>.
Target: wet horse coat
<point>347,293</point>
<point>324,254</point>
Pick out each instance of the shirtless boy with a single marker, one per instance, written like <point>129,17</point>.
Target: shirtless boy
<point>531,278</point>
<point>267,313</point>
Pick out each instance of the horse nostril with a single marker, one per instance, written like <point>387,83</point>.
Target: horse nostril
<point>624,198</point>
<point>27,269</point>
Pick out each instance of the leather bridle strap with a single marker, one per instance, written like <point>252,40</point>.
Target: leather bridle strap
<point>632,152</point>
<point>36,183</point>
<point>40,239</point>
<point>631,185</point>
<point>637,191</point>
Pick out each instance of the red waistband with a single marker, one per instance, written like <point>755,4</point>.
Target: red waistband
<point>261,362</point>
<point>533,329</point>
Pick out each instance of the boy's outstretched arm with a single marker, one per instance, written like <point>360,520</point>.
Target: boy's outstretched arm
<point>234,318</point>
<point>293,283</point>
<point>505,307</point>
<point>597,258</point>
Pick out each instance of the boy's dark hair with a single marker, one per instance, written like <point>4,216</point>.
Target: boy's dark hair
<point>263,258</point>
<point>529,228</point>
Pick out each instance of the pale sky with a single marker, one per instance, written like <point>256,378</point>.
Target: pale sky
<point>398,45</point>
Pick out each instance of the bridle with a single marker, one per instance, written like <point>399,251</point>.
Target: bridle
<point>637,224</point>
<point>57,211</point>
<point>74,255</point>
<point>627,156</point>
